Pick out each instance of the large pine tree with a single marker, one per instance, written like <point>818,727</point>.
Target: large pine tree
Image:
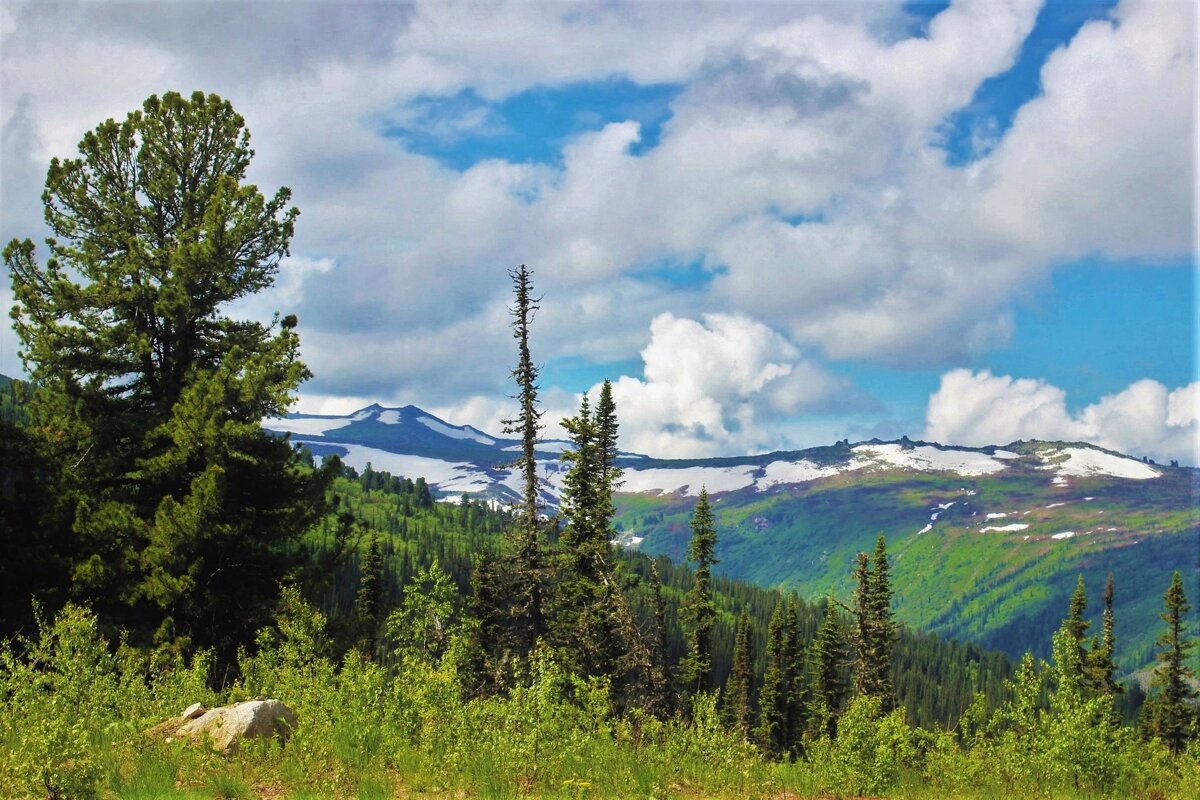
<point>589,606</point>
<point>876,632</point>
<point>699,612</point>
<point>1169,713</point>
<point>1077,626</point>
<point>185,514</point>
<point>528,613</point>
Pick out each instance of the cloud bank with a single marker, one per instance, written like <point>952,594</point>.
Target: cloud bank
<point>1144,419</point>
<point>801,171</point>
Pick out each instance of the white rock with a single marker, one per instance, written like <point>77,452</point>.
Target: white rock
<point>193,711</point>
<point>227,726</point>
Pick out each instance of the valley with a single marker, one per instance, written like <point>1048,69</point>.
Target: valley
<point>987,542</point>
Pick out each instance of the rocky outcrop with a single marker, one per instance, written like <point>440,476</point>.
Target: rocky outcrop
<point>225,728</point>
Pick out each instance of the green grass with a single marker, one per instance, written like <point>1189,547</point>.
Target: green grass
<point>365,733</point>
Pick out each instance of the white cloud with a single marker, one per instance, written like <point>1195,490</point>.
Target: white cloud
<point>712,386</point>
<point>1145,419</point>
<point>1104,160</point>
<point>830,112</point>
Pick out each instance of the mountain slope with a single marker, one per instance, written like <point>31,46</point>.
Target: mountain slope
<point>987,541</point>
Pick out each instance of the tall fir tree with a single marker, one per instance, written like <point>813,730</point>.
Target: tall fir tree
<point>794,656</point>
<point>876,632</point>
<point>528,570</point>
<point>607,429</point>
<point>369,607</point>
<point>185,514</point>
<point>739,688</point>
<point>589,607</point>
<point>771,731</point>
<point>1077,626</point>
<point>699,612</point>
<point>1101,667</point>
<point>827,688</point>
<point>1170,713</point>
<point>659,695</point>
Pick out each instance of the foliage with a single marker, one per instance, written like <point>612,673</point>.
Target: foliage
<point>183,512</point>
<point>871,750</point>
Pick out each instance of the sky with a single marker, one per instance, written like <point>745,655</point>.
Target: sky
<point>771,225</point>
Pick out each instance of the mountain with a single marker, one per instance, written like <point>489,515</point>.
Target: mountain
<point>987,542</point>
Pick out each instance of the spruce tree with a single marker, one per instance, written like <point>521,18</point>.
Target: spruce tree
<point>1101,666</point>
<point>659,696</point>
<point>185,514</point>
<point>827,688</point>
<point>771,732</point>
<point>369,604</point>
<point>1077,626</point>
<point>699,612</point>
<point>794,707</point>
<point>607,427</point>
<point>876,632</point>
<point>587,616</point>
<point>739,688</point>
<point>527,423</point>
<point>1169,713</point>
<point>528,576</point>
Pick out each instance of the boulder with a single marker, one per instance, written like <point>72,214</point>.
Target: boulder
<point>193,711</point>
<point>226,727</point>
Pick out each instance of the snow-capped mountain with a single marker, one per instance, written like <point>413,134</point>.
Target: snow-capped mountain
<point>459,458</point>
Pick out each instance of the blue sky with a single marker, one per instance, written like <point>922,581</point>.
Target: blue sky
<point>771,225</point>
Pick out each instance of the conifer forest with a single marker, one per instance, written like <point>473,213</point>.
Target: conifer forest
<point>159,548</point>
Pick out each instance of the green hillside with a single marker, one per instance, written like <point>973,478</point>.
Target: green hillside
<point>1003,589</point>
<point>935,678</point>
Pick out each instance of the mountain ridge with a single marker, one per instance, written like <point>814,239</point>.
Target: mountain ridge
<point>384,433</point>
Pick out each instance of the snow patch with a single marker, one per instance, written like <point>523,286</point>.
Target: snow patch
<point>548,446</point>
<point>1082,462</point>
<point>784,472</point>
<point>306,426</point>
<point>925,459</point>
<point>1063,535</point>
<point>926,529</point>
<point>389,417</point>
<point>1016,526</point>
<point>997,515</point>
<point>447,476</point>
<point>1006,455</point>
<point>455,433</point>
<point>689,479</point>
<point>1055,505</point>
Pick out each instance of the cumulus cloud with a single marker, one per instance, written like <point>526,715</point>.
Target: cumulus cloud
<point>1144,419</point>
<point>1095,163</point>
<point>712,386</point>
<point>801,165</point>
